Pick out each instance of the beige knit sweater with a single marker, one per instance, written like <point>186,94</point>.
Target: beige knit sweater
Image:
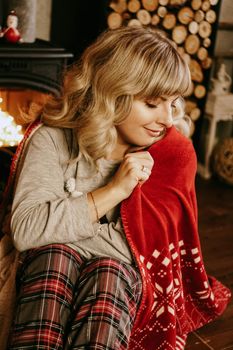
<point>46,209</point>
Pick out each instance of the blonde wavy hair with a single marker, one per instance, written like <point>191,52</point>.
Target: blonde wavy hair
<point>99,89</point>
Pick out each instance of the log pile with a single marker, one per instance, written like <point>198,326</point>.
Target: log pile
<point>189,23</point>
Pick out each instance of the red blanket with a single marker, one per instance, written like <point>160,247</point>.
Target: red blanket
<point>160,221</point>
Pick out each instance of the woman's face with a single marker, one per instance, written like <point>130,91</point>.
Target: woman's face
<point>146,122</point>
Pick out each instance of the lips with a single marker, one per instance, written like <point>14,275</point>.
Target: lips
<point>154,133</point>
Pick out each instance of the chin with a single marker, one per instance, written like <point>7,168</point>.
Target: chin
<point>143,145</point>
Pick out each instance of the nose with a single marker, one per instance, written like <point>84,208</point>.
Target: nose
<point>166,116</point>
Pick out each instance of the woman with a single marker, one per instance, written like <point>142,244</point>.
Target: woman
<point>80,278</point>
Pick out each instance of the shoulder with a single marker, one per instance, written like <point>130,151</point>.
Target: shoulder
<point>49,141</point>
<point>57,138</point>
<point>48,133</point>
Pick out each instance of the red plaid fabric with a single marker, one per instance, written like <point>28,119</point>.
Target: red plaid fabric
<point>67,302</point>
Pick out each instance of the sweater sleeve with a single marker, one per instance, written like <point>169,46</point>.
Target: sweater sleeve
<point>42,212</point>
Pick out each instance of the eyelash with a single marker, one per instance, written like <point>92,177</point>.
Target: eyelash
<point>150,105</point>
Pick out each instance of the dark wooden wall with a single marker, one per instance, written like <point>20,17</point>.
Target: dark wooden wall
<point>3,12</point>
<point>76,23</point>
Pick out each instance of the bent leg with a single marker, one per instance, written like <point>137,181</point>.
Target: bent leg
<point>108,295</point>
<point>47,281</point>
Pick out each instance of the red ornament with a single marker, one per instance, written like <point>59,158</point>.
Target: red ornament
<point>11,35</point>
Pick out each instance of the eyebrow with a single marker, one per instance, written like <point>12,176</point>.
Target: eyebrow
<point>157,99</point>
<point>165,98</point>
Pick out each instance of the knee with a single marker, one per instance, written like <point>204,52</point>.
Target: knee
<point>104,267</point>
<point>113,275</point>
<point>51,252</point>
<point>49,261</point>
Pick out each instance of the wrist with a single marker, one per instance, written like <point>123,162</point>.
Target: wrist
<point>115,192</point>
<point>95,207</point>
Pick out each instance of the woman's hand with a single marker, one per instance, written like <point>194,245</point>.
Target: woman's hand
<point>135,168</point>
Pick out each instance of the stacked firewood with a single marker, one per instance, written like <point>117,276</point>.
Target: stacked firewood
<point>188,23</point>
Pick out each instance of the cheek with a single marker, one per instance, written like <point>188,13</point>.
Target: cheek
<point>137,118</point>
<point>127,133</point>
<point>127,124</point>
<point>123,129</point>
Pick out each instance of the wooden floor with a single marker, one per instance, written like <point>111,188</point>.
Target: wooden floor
<point>215,201</point>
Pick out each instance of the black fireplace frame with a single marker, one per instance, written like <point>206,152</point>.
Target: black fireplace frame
<point>37,66</point>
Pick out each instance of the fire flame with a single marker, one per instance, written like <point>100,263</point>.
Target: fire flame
<point>10,133</point>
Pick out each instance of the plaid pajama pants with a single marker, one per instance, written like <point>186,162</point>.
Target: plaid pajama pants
<point>67,302</point>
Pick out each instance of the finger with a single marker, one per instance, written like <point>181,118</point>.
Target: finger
<point>146,170</point>
<point>142,168</point>
<point>140,155</point>
<point>135,149</point>
<point>141,174</point>
<point>144,176</point>
<point>143,158</point>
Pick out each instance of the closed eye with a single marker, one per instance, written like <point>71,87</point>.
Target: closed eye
<point>151,105</point>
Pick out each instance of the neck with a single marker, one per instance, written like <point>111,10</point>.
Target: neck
<point>121,150</point>
<point>118,153</point>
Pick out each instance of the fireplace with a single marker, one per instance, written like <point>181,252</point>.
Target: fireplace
<point>29,73</point>
<point>38,66</point>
